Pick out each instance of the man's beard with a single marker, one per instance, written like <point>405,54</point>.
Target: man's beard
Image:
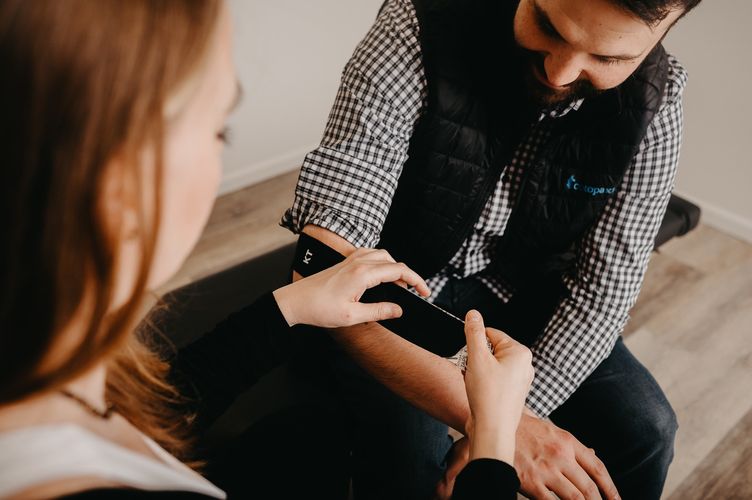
<point>539,95</point>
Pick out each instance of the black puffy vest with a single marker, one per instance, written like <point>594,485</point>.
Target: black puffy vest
<point>467,135</point>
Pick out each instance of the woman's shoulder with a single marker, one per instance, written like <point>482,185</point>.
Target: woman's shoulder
<point>71,458</point>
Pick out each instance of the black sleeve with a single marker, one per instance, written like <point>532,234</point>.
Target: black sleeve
<point>215,369</point>
<point>486,478</point>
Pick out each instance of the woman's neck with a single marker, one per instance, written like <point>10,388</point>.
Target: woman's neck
<point>52,407</point>
<point>91,386</point>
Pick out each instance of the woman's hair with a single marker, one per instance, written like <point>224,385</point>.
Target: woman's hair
<point>85,82</point>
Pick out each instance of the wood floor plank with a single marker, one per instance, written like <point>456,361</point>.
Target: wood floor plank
<point>726,473</point>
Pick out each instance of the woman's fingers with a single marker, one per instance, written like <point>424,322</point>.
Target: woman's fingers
<point>498,338</point>
<point>495,335</point>
<point>395,272</point>
<point>475,333</point>
<point>401,284</point>
<point>379,257</point>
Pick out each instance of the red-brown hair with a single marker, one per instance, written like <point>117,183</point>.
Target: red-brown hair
<point>84,81</point>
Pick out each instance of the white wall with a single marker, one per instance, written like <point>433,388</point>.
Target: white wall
<point>289,55</point>
<point>713,43</point>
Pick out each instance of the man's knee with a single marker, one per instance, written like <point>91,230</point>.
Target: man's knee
<point>658,430</point>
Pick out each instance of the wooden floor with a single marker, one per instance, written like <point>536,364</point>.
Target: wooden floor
<point>692,327</point>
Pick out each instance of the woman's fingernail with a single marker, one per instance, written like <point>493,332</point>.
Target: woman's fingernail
<point>396,311</point>
<point>473,316</point>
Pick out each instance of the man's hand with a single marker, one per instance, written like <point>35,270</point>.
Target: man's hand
<point>458,458</point>
<point>549,459</point>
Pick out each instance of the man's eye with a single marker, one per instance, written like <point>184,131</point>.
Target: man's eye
<point>608,61</point>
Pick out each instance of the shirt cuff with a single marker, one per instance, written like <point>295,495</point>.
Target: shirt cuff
<point>549,389</point>
<point>305,212</point>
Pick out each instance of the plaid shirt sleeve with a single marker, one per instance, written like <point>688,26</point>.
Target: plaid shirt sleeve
<point>346,185</point>
<point>613,259</point>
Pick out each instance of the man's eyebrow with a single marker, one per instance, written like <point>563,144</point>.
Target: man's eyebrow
<point>544,21</point>
<point>237,98</point>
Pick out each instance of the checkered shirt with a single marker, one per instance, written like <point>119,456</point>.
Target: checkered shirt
<point>346,185</point>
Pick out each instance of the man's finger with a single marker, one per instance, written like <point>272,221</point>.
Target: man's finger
<point>563,487</point>
<point>459,456</point>
<point>583,482</point>
<point>597,471</point>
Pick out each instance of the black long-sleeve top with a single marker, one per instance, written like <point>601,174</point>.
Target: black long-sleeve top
<point>221,365</point>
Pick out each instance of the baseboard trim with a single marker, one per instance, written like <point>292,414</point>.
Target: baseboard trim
<point>258,172</point>
<point>722,219</point>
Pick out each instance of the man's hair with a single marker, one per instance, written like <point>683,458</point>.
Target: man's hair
<point>653,12</point>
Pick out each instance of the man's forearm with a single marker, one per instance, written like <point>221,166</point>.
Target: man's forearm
<point>424,379</point>
<point>427,381</point>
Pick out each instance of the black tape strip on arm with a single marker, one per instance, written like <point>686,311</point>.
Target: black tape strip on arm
<point>422,323</point>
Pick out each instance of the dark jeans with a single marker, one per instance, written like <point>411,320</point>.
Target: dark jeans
<point>300,452</point>
<point>620,411</point>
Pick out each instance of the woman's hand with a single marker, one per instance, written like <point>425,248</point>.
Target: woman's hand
<point>330,298</point>
<point>497,384</point>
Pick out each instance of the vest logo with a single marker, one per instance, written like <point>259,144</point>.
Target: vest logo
<point>574,185</point>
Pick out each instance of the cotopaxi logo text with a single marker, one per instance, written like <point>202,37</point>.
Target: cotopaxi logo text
<point>575,185</point>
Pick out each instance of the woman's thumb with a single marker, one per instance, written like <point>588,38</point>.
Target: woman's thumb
<point>475,331</point>
<point>376,312</point>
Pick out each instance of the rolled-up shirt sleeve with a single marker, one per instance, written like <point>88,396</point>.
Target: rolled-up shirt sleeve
<point>612,262</point>
<point>346,185</point>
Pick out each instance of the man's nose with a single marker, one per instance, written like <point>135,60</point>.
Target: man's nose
<point>562,69</point>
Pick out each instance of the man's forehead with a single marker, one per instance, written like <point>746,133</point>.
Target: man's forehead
<point>601,26</point>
